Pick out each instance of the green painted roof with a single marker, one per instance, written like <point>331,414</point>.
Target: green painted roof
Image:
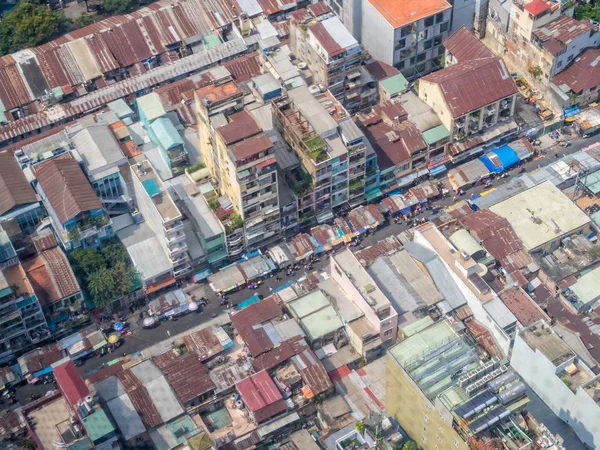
<point>181,428</point>
<point>97,425</point>
<point>200,442</point>
<point>587,288</point>
<point>422,343</point>
<point>165,132</point>
<point>151,106</point>
<point>212,40</point>
<point>82,444</point>
<point>394,85</point>
<point>592,182</point>
<point>436,134</point>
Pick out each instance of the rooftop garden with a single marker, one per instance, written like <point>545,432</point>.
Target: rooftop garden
<point>195,167</point>
<point>235,221</point>
<point>299,181</point>
<point>316,149</point>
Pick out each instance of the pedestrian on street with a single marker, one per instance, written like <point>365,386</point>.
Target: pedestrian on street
<point>168,333</point>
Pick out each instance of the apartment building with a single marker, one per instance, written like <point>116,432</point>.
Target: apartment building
<point>560,378</point>
<point>103,162</point>
<point>163,218</point>
<point>473,95</point>
<point>445,397</point>
<point>22,321</point>
<point>333,155</point>
<point>407,35</point>
<point>333,56</point>
<point>379,326</point>
<point>76,213</point>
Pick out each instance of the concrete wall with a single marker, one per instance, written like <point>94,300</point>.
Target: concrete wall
<point>389,323</point>
<point>377,34</point>
<point>463,12</point>
<point>431,94</point>
<point>578,410</point>
<point>574,48</point>
<point>416,414</point>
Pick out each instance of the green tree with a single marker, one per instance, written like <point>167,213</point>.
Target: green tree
<point>118,6</point>
<point>587,11</point>
<point>360,427</point>
<point>410,445</point>
<point>101,286</point>
<point>535,71</point>
<point>84,20</point>
<point>114,254</point>
<point>32,24</point>
<point>86,261</point>
<point>123,278</point>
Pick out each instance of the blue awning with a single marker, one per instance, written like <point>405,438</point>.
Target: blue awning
<point>283,286</point>
<point>202,275</point>
<point>437,170</point>
<point>572,111</point>
<point>250,301</point>
<point>405,210</point>
<point>507,156</point>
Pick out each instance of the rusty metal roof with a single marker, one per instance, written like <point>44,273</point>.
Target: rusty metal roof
<point>465,47</point>
<point>186,375</point>
<point>244,68</point>
<point>327,41</point>
<point>473,84</point>
<point>494,232</point>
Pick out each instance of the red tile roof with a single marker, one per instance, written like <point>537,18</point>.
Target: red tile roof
<point>70,382</point>
<point>44,241</point>
<point>51,276</point>
<point>67,189</point>
<point>185,374</point>
<point>537,7</point>
<point>465,47</point>
<point>522,306</point>
<point>15,190</point>
<point>583,73</point>
<point>261,396</point>
<point>399,13</point>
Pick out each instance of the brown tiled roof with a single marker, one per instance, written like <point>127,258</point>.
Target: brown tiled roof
<point>51,276</point>
<point>470,85</point>
<point>66,188</point>
<point>44,241</point>
<point>251,146</point>
<point>584,73</point>
<point>465,47</point>
<point>14,188</point>
<point>241,126</point>
<point>522,306</point>
<point>186,375</point>
<point>380,70</point>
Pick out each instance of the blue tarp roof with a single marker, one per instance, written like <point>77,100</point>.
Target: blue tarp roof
<point>499,159</point>
<point>250,301</point>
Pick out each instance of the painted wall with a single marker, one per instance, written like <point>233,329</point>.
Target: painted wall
<point>377,34</point>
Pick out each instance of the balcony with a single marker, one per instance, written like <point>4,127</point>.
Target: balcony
<point>173,228</point>
<point>178,261</point>
<point>179,237</point>
<point>490,110</point>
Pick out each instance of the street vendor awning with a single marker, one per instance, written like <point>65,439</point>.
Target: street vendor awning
<point>280,255</point>
<point>202,275</point>
<point>405,181</point>
<point>438,170</point>
<point>226,279</point>
<point>373,194</point>
<point>248,302</point>
<point>324,217</point>
<point>522,148</point>
<point>500,159</point>
<point>467,173</point>
<point>254,268</point>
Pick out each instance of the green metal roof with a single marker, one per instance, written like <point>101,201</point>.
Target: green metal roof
<point>151,106</point>
<point>165,132</point>
<point>436,134</point>
<point>181,428</point>
<point>592,182</point>
<point>422,343</point>
<point>373,194</point>
<point>587,288</point>
<point>394,85</point>
<point>212,40</point>
<point>97,425</point>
